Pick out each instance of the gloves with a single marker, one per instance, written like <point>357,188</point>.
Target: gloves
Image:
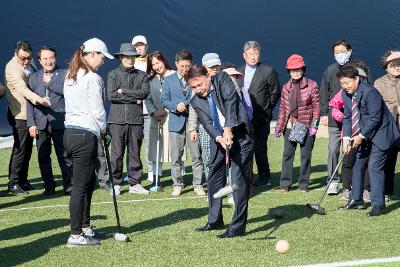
<point>277,134</point>
<point>160,114</point>
<point>106,138</point>
<point>312,131</point>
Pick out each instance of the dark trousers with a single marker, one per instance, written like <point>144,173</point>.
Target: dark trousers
<point>21,152</point>
<point>81,149</point>
<point>130,136</point>
<point>289,151</point>
<point>261,132</point>
<point>241,158</point>
<point>369,155</point>
<point>44,146</point>
<point>101,165</point>
<point>390,170</point>
<point>347,171</point>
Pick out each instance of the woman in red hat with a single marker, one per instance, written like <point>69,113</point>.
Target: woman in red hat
<point>298,122</point>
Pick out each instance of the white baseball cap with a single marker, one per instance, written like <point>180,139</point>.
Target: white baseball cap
<point>96,45</point>
<point>139,39</point>
<point>211,59</point>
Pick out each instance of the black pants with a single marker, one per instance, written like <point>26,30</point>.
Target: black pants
<point>241,159</point>
<point>21,152</point>
<point>81,148</point>
<point>347,171</point>
<point>102,171</point>
<point>287,161</point>
<point>44,147</point>
<point>261,132</point>
<point>130,136</point>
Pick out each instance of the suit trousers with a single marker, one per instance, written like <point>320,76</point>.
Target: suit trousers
<point>177,141</point>
<point>44,147</point>
<point>376,162</point>
<point>241,154</point>
<point>390,170</point>
<point>21,152</point>
<point>126,136</point>
<point>261,133</point>
<point>287,161</point>
<point>347,171</point>
<point>333,152</point>
<point>81,149</point>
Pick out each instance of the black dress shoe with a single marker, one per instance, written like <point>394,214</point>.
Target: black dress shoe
<point>210,227</point>
<point>229,234</point>
<point>17,190</point>
<point>355,204</point>
<point>27,187</point>
<point>49,191</point>
<point>376,211</point>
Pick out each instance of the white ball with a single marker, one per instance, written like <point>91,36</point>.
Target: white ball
<point>282,246</point>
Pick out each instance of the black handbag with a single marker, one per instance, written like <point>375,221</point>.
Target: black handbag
<point>298,132</point>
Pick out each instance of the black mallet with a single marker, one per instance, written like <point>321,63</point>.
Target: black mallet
<point>317,207</point>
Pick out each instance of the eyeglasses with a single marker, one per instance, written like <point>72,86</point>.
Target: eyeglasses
<point>256,54</point>
<point>23,59</point>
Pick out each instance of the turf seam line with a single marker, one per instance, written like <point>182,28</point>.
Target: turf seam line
<point>353,263</point>
<point>102,203</point>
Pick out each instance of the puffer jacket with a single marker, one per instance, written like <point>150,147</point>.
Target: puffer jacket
<point>337,107</point>
<point>124,107</point>
<point>308,104</point>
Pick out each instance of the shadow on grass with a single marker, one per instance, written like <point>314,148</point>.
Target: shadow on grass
<point>20,200</point>
<point>23,253</point>
<point>291,214</point>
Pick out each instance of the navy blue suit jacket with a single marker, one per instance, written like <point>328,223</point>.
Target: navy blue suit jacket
<point>376,122</point>
<point>55,114</point>
<point>228,102</point>
<point>171,96</point>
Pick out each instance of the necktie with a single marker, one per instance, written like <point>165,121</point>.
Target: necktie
<point>214,112</point>
<point>247,103</point>
<point>355,117</point>
<point>184,85</point>
<point>162,79</point>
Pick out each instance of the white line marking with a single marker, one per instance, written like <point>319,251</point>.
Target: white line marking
<point>102,203</point>
<point>353,263</point>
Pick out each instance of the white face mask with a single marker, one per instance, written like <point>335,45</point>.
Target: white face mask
<point>343,58</point>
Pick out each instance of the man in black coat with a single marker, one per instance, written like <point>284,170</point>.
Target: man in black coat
<point>261,84</point>
<point>46,124</point>
<point>225,119</point>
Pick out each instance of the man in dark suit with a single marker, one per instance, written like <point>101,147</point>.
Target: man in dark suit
<point>225,119</point>
<point>47,123</point>
<point>368,122</point>
<point>261,84</point>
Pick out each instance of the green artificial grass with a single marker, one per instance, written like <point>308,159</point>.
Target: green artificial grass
<point>162,229</point>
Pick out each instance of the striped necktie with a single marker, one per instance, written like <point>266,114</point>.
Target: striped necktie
<point>355,117</point>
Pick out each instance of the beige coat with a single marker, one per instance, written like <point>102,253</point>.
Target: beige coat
<point>17,90</point>
<point>389,87</point>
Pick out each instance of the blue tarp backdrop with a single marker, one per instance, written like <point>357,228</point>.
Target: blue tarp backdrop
<point>281,27</point>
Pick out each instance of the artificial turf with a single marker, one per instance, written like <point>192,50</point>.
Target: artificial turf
<point>162,228</point>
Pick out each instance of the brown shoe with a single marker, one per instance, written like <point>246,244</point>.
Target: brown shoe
<point>176,192</point>
<point>200,191</point>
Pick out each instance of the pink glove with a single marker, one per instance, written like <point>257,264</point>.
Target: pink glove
<point>277,134</point>
<point>312,131</point>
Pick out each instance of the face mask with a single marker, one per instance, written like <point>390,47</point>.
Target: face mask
<point>343,58</point>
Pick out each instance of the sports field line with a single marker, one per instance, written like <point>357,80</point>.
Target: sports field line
<point>102,203</point>
<point>353,263</point>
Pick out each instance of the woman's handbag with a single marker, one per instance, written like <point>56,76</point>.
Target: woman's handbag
<point>298,132</point>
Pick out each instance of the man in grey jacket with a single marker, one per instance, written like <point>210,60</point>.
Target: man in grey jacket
<point>127,89</point>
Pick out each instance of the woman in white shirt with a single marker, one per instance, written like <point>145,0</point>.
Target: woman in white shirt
<point>85,121</point>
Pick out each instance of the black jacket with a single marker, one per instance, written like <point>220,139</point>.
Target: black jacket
<point>135,86</point>
<point>264,92</point>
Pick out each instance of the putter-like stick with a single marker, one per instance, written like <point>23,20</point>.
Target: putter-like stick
<point>156,187</point>
<point>317,207</point>
<point>117,236</point>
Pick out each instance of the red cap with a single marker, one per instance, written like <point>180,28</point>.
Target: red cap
<point>295,62</point>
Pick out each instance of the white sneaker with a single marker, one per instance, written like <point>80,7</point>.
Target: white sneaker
<point>150,176</point>
<point>333,189</point>
<point>138,189</point>
<point>82,241</point>
<point>176,192</point>
<point>117,189</point>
